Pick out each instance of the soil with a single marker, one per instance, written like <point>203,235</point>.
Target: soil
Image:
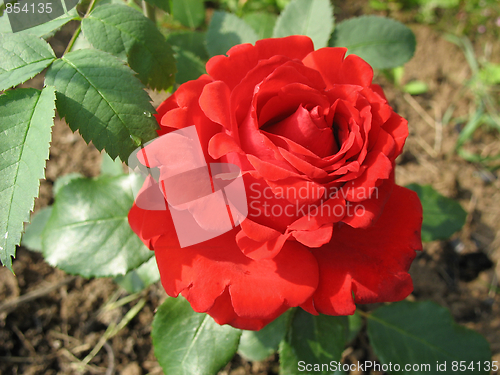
<point>49,321</point>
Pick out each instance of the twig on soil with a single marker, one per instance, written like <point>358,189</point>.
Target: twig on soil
<point>25,342</point>
<point>111,359</point>
<point>113,329</point>
<point>35,294</point>
<point>470,209</point>
<point>418,108</point>
<point>438,137</point>
<point>76,363</point>
<point>427,148</point>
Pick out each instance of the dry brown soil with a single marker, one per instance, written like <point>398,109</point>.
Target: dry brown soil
<point>49,321</point>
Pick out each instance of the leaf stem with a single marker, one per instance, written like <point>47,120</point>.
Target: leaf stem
<point>149,11</point>
<point>79,30</point>
<point>363,313</point>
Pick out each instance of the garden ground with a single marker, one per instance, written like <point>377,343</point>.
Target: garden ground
<point>50,321</point>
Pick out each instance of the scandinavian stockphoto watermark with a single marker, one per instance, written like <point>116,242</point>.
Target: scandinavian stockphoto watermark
<point>25,14</point>
<point>208,200</point>
<point>205,201</point>
<point>314,200</point>
<point>457,367</point>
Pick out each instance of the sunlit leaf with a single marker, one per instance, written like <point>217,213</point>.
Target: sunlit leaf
<point>103,100</point>
<point>26,119</point>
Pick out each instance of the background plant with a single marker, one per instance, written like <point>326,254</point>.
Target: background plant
<point>98,86</point>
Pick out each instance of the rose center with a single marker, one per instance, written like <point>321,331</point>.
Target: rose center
<point>308,128</point>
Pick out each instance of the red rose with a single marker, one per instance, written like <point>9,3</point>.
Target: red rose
<point>316,142</point>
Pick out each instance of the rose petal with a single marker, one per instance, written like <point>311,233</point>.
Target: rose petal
<point>373,262</point>
<point>397,127</point>
<point>378,167</point>
<point>315,238</point>
<point>222,144</point>
<point>259,250</point>
<point>214,102</point>
<point>258,289</point>
<point>328,62</point>
<point>286,102</point>
<point>366,212</point>
<point>300,128</point>
<point>330,211</point>
<point>244,57</point>
<point>303,166</point>
<point>223,313</point>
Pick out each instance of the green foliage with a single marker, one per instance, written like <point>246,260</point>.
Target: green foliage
<point>22,56</point>
<point>44,30</point>
<point>262,23</point>
<point>109,166</point>
<point>188,343</point>
<point>190,66</point>
<point>190,53</point>
<point>225,31</point>
<point>355,323</point>
<point>424,333</point>
<point>102,99</point>
<point>442,216</point>
<point>258,345</point>
<point>88,232</point>
<point>63,181</point>
<point>313,18</point>
<point>32,237</point>
<point>192,41</point>
<point>490,73</point>
<point>384,43</point>
<point>162,4</point>
<point>190,13</point>
<point>26,118</point>
<point>485,113</point>
<point>416,88</point>
<point>140,278</point>
<point>127,34</point>
<point>312,339</point>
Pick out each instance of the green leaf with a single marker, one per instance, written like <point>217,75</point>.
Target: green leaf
<point>191,13</point>
<point>262,23</point>
<point>162,4</point>
<point>258,345</point>
<point>442,216</point>
<point>44,30</point>
<point>355,323</point>
<point>314,340</point>
<point>192,41</point>
<point>382,42</point>
<point>313,18</point>
<point>127,34</point>
<point>5,24</point>
<point>490,73</point>
<point>22,57</point>
<point>81,43</point>
<point>424,333</point>
<point>225,31</point>
<point>63,181</point>
<point>111,167</point>
<point>189,343</point>
<point>48,29</point>
<point>102,99</point>
<point>24,19</point>
<point>26,119</point>
<point>190,66</point>
<point>32,237</point>
<point>88,232</point>
<point>140,278</point>
<point>416,88</point>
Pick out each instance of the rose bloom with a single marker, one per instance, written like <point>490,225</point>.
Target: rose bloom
<point>316,142</point>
